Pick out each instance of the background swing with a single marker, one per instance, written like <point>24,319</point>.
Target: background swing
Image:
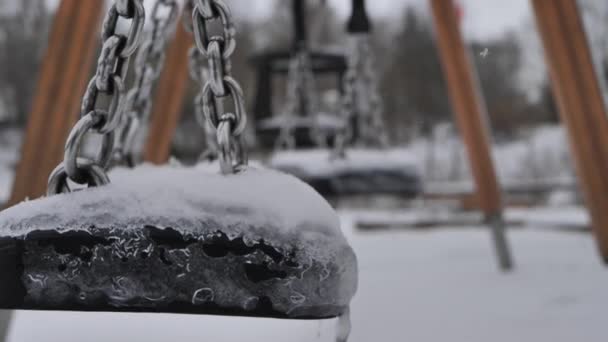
<point>301,122</point>
<point>356,159</point>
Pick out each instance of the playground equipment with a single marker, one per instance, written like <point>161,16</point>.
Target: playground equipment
<point>567,53</point>
<point>360,162</point>
<point>301,122</point>
<point>173,239</point>
<point>148,67</point>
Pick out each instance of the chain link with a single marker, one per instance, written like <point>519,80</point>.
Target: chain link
<point>302,102</point>
<point>112,67</point>
<point>362,108</point>
<point>149,62</point>
<point>199,73</point>
<point>225,127</point>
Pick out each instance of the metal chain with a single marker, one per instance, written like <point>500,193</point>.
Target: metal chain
<point>362,107</point>
<point>200,73</point>
<point>302,102</point>
<point>112,68</point>
<point>135,109</point>
<point>291,112</point>
<point>373,126</point>
<point>219,85</point>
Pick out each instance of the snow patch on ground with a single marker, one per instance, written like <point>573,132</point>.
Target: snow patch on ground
<point>542,154</point>
<point>319,162</point>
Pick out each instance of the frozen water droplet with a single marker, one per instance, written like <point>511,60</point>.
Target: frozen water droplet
<point>297,298</point>
<point>344,327</point>
<point>203,295</point>
<point>38,279</point>
<point>251,303</point>
<point>325,273</point>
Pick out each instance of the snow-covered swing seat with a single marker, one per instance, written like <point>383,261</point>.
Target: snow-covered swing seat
<point>248,241</point>
<point>184,240</point>
<point>361,172</point>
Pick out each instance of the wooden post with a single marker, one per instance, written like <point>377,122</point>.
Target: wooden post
<point>65,69</point>
<point>580,104</point>
<point>169,99</point>
<point>471,117</point>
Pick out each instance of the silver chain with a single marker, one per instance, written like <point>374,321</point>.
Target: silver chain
<point>112,67</point>
<point>199,72</point>
<point>219,85</point>
<point>302,99</point>
<point>148,66</point>
<point>361,104</point>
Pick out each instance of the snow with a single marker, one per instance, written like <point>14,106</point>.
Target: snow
<point>319,162</point>
<point>559,217</point>
<point>538,161</point>
<point>438,285</point>
<point>180,197</point>
<point>324,121</point>
<point>541,154</point>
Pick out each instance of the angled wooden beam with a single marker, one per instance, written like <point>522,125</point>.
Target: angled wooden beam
<point>65,68</point>
<point>581,107</point>
<point>471,117</point>
<point>49,82</point>
<point>169,99</point>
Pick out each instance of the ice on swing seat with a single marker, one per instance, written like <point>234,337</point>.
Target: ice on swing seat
<point>180,240</point>
<point>360,172</point>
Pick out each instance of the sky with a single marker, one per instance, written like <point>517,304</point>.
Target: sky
<point>483,19</point>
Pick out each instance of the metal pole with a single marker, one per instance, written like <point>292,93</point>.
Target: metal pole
<point>471,117</point>
<point>299,21</point>
<point>359,20</point>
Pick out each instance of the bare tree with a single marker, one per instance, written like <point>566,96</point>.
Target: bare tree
<point>412,86</point>
<point>23,34</point>
<point>595,15</point>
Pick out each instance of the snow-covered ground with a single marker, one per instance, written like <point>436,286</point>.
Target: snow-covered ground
<point>434,285</point>
<point>541,154</point>
<point>415,285</point>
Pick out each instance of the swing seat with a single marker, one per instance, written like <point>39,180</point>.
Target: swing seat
<point>361,172</point>
<point>180,240</point>
<point>326,124</point>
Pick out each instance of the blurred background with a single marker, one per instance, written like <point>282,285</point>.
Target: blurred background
<point>504,44</point>
<point>427,265</point>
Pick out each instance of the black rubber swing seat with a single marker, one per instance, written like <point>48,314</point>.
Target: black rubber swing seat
<point>176,240</point>
<point>361,172</point>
